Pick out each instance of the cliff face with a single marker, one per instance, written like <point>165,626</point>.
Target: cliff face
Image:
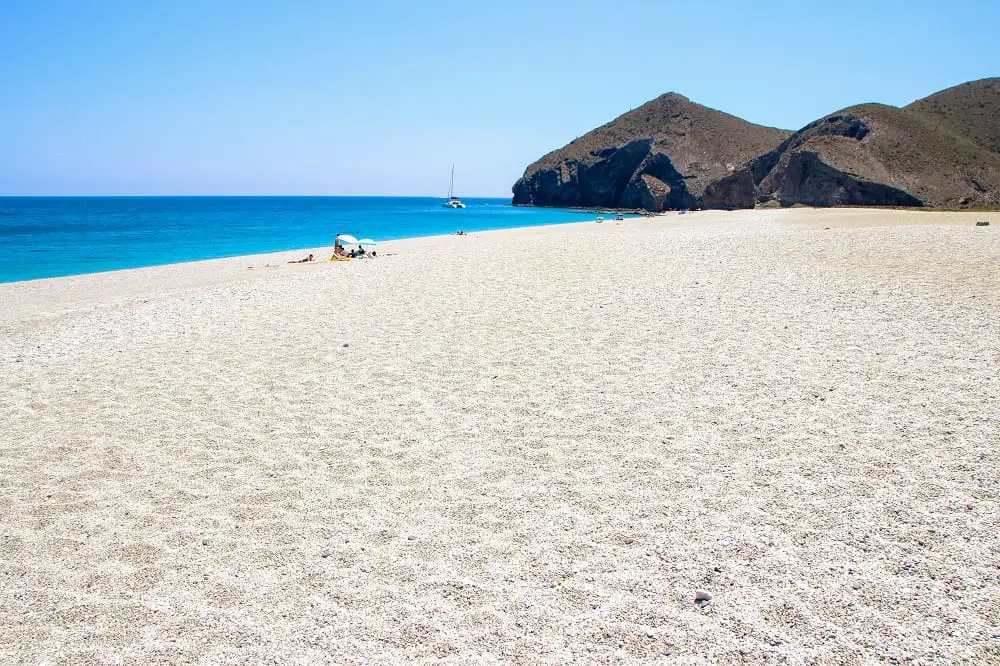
<point>662,155</point>
<point>942,151</point>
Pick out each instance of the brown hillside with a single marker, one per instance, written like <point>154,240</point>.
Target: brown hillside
<point>941,151</point>
<point>874,154</point>
<point>662,154</point>
<point>970,110</point>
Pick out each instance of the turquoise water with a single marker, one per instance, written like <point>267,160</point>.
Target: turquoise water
<point>54,236</point>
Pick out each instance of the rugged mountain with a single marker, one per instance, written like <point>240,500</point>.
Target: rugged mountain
<point>941,151</point>
<point>661,155</point>
<point>877,155</point>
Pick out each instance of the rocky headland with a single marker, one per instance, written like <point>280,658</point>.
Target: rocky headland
<point>942,151</point>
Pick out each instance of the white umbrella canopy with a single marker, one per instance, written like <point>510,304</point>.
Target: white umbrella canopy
<point>367,241</point>
<point>347,239</point>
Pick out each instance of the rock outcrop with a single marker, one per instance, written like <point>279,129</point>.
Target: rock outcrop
<point>941,151</point>
<point>877,155</point>
<point>659,156</point>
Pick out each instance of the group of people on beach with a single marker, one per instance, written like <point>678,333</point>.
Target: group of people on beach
<point>340,253</point>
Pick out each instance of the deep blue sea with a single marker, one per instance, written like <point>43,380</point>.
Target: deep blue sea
<point>54,236</point>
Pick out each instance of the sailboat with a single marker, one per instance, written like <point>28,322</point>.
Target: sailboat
<point>453,201</point>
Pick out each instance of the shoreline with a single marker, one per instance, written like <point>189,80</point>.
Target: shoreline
<point>134,282</point>
<point>831,211</point>
<point>325,248</point>
<point>474,220</point>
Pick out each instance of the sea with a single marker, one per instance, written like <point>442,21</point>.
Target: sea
<point>43,237</point>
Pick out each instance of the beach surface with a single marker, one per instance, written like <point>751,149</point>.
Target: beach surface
<point>529,446</point>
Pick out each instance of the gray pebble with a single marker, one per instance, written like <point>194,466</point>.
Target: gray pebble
<point>700,595</point>
<point>411,538</point>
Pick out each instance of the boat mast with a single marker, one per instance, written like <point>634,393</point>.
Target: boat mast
<point>451,186</point>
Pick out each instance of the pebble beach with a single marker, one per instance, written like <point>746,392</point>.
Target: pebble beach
<point>767,436</point>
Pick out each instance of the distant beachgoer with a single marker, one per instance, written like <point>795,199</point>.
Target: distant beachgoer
<point>459,233</point>
<point>373,254</point>
<point>301,261</point>
<point>338,250</point>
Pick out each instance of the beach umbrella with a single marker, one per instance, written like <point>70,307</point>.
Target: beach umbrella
<point>346,239</point>
<point>367,241</point>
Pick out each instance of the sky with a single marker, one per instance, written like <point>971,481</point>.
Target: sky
<point>310,97</point>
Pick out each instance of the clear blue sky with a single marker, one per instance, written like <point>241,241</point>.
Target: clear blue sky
<point>378,97</point>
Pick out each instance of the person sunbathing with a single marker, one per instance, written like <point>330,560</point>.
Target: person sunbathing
<point>301,261</point>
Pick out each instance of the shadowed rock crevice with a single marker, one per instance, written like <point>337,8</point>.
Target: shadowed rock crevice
<point>657,185</point>
<point>732,192</point>
<point>604,182</point>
